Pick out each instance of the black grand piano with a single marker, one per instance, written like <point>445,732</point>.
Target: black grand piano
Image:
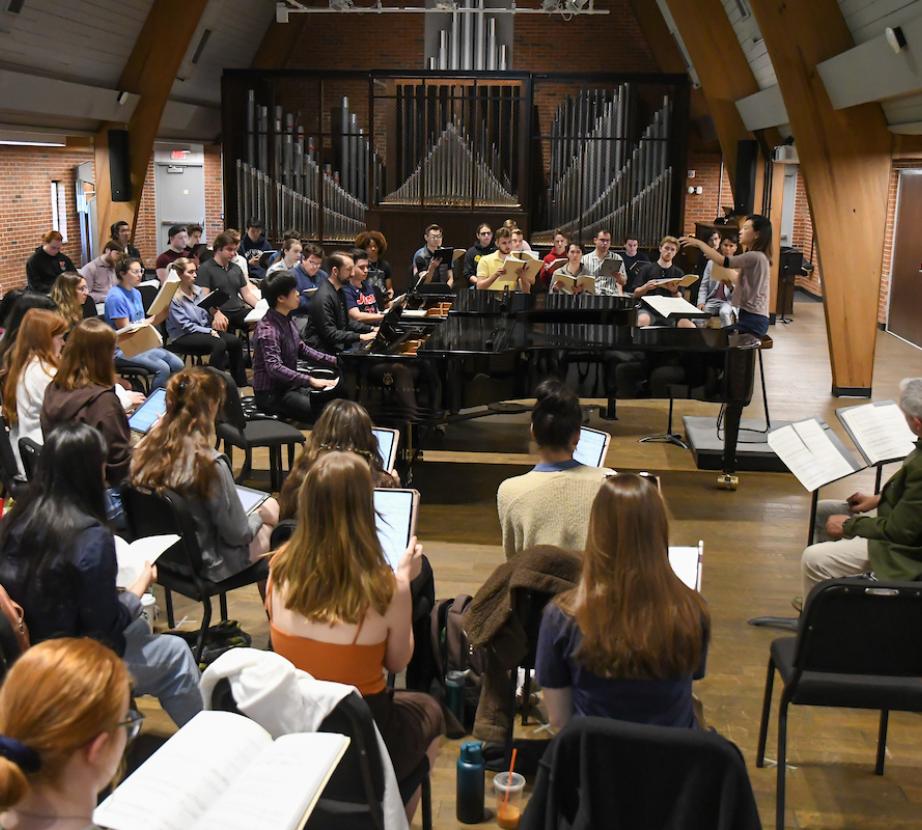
<point>492,347</point>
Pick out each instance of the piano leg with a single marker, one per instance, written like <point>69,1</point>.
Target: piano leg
<point>610,413</point>
<point>728,480</point>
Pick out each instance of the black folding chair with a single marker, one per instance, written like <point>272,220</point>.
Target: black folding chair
<point>353,796</point>
<point>180,568</point>
<point>14,484</point>
<point>857,647</point>
<point>281,533</point>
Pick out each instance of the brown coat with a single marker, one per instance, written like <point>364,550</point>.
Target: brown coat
<point>99,407</point>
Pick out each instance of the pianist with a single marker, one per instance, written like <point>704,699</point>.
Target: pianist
<point>881,533</point>
<point>279,388</point>
<point>329,329</point>
<point>430,268</point>
<point>592,265</point>
<point>359,294</point>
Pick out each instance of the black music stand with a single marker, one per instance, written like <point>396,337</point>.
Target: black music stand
<point>667,437</point>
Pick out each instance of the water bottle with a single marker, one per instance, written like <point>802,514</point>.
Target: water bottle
<point>454,693</point>
<point>469,794</point>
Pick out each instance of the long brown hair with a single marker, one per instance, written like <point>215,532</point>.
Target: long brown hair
<point>333,569</point>
<point>177,453</point>
<point>343,425</point>
<point>64,294</point>
<point>88,358</point>
<point>35,339</point>
<point>636,617</point>
<point>56,699</point>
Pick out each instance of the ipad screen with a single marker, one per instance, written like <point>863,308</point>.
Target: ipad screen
<point>591,447</point>
<point>148,412</point>
<point>394,521</point>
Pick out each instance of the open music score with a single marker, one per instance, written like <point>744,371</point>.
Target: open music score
<point>879,431</point>
<point>813,452</point>
<point>670,307</point>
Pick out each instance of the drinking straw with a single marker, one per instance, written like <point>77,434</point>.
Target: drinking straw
<point>509,779</point>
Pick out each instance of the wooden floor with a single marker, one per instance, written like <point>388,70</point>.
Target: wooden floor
<point>753,538</point>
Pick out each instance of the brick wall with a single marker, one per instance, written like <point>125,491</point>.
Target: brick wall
<point>214,192</point>
<point>26,174</point>
<point>802,237</point>
<point>145,228</point>
<point>707,206</point>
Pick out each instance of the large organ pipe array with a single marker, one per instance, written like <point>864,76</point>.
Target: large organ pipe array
<point>598,179</point>
<point>470,41</point>
<point>457,145</point>
<point>289,187</point>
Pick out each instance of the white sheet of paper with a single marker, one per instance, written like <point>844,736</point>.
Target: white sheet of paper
<point>131,557</point>
<point>809,454</point>
<point>255,314</point>
<point>671,306</point>
<point>686,562</point>
<point>880,431</point>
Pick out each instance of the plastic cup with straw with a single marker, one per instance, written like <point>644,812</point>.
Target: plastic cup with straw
<point>509,788</point>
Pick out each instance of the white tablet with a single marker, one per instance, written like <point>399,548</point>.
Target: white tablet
<point>250,499</point>
<point>395,521</point>
<point>387,446</point>
<point>592,447</point>
<point>146,415</point>
<point>686,562</point>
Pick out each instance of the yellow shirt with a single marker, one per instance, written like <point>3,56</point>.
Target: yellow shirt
<point>490,264</point>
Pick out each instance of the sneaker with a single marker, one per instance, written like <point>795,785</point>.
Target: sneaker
<point>798,604</point>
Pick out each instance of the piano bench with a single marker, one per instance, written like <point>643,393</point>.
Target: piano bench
<point>767,342</point>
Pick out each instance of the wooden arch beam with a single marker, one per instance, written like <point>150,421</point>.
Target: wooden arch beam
<point>149,72</point>
<point>845,161</point>
<point>722,69</point>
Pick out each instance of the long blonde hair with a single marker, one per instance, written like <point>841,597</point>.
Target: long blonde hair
<point>636,617</point>
<point>333,568</point>
<point>64,294</point>
<point>35,340</point>
<point>177,454</point>
<point>57,698</point>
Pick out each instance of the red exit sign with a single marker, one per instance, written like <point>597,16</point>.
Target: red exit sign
<point>178,155</point>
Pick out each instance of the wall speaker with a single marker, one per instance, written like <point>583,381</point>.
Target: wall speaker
<point>119,166</point>
<point>745,181</point>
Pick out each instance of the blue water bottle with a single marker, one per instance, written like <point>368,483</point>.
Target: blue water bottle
<point>469,795</point>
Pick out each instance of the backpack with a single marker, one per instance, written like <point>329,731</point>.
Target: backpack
<point>16,618</point>
<point>451,651</point>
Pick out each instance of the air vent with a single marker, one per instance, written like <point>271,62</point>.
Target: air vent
<point>743,8</point>
<point>206,33</point>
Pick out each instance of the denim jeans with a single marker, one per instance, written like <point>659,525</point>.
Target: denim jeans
<point>163,666</point>
<point>159,361</point>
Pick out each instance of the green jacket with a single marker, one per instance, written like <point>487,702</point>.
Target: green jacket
<point>895,534</point>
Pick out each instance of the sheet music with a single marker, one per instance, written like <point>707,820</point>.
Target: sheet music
<point>686,562</point>
<point>808,452</point>
<point>879,430</point>
<point>672,306</point>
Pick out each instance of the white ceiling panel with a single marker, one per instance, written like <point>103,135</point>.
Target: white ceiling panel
<point>866,19</point>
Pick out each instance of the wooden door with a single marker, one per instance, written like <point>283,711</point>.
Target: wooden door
<point>905,318</point>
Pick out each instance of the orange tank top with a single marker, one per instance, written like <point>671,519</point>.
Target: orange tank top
<point>353,664</point>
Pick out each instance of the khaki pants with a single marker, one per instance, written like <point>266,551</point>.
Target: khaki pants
<point>832,559</point>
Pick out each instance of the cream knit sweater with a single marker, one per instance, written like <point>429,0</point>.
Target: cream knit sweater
<point>549,508</point>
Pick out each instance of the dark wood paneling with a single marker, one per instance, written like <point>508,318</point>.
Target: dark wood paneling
<point>905,318</point>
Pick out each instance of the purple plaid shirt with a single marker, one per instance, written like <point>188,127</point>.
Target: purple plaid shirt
<point>275,355</point>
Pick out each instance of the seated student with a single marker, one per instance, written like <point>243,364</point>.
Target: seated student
<point>21,305</point>
<point>178,454</point>
<point>339,612</point>
<point>290,256</point>
<point>713,294</point>
<point>343,426</point>
<point>573,268</point>
<point>592,262</point>
<point>627,642</point>
<point>750,293</point>
<point>190,326</point>
<point>310,277</point>
<point>558,251</point>
<point>379,269</point>
<point>521,244</point>
<point>123,306</point>
<point>359,294</point>
<point>631,256</point>
<point>70,294</point>
<point>57,560</point>
<point>493,266</point>
<point>120,232</point>
<point>178,236</point>
<point>279,387</point>
<point>427,267</point>
<point>100,272</point>
<point>28,369</point>
<point>550,504</point>
<point>222,272</point>
<point>195,231</point>
<point>483,246</point>
<point>329,329</point>
<point>253,245</point>
<point>83,391</point>
<point>275,256</point>
<point>853,539</point>
<point>66,721</point>
<point>644,281</point>
<point>47,262</point>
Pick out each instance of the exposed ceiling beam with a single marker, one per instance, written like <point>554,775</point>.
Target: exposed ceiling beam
<point>845,161</point>
<point>27,93</point>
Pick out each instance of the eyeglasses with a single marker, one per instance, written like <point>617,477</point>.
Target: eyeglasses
<point>132,724</point>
